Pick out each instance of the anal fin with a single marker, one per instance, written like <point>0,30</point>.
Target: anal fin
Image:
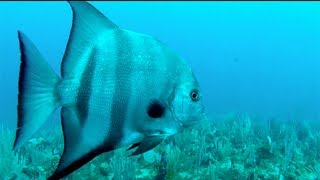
<point>76,164</point>
<point>78,150</point>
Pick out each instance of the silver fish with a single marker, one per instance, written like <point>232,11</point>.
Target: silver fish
<point>117,88</point>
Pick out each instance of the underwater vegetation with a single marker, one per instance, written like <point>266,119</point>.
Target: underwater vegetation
<point>235,147</point>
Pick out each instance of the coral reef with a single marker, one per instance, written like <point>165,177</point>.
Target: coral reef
<point>236,147</point>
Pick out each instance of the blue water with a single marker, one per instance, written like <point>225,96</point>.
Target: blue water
<point>256,57</point>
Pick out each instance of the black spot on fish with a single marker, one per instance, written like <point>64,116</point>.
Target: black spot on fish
<point>156,109</point>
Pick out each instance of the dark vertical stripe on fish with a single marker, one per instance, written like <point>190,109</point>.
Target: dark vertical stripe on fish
<point>85,87</point>
<point>122,90</point>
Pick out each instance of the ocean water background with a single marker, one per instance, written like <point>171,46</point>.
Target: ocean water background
<point>256,57</point>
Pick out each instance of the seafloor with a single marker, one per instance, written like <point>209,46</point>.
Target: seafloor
<point>236,147</point>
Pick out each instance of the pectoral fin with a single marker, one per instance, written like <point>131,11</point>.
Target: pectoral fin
<point>134,146</point>
<point>147,144</point>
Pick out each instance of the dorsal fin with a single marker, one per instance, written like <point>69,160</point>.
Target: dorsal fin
<point>88,24</point>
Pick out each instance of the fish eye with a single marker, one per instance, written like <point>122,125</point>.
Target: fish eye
<point>194,95</point>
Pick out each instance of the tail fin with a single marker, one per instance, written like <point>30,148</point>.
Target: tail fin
<point>38,97</point>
